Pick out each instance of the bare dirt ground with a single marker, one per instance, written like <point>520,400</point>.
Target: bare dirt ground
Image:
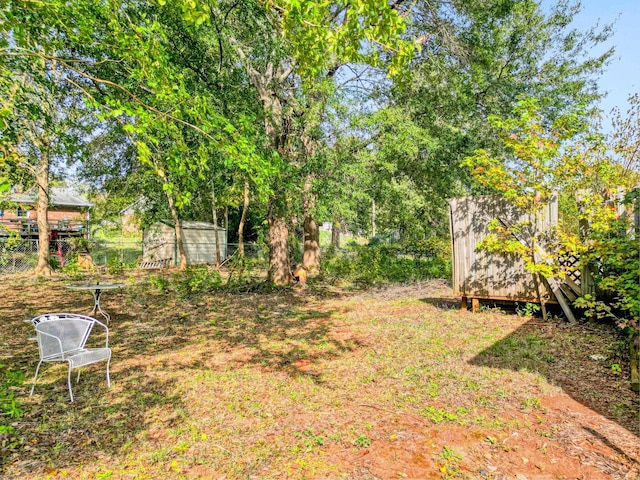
<point>390,383</point>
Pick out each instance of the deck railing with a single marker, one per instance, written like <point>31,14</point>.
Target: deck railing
<point>26,227</point>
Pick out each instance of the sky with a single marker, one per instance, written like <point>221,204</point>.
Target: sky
<point>622,76</point>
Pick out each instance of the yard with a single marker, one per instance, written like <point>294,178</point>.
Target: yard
<point>319,383</point>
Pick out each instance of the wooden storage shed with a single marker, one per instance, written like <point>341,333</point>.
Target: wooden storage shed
<point>480,274</point>
<point>159,242</point>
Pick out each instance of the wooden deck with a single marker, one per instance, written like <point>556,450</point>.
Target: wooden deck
<point>29,228</point>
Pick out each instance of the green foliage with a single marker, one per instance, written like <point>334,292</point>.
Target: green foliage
<point>613,255</point>
<point>531,165</point>
<point>335,31</point>
<point>195,280</point>
<point>10,408</point>
<point>310,439</point>
<point>114,266</point>
<point>381,263</point>
<point>159,282</point>
<point>449,461</point>
<point>72,268</point>
<point>362,441</point>
<point>438,415</point>
<point>528,309</point>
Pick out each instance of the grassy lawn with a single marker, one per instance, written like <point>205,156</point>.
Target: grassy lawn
<point>319,383</point>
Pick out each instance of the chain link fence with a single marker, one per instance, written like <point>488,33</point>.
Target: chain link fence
<point>21,255</point>
<point>18,254</point>
<point>123,252</point>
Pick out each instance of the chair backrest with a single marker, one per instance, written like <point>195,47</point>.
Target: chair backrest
<point>60,333</point>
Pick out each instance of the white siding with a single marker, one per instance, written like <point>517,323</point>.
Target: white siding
<point>198,239</point>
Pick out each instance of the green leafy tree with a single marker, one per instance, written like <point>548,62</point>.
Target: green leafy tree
<point>43,121</point>
<point>298,42</point>
<point>539,158</point>
<point>477,60</point>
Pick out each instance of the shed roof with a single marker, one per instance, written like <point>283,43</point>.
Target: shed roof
<point>192,225</point>
<point>58,196</point>
<point>138,206</point>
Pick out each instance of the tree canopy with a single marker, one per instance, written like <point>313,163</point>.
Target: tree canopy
<point>357,112</point>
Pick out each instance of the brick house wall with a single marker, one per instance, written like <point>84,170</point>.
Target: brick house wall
<point>54,214</point>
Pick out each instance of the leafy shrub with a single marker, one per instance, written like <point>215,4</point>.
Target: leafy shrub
<point>195,280</point>
<point>614,258</point>
<point>10,408</point>
<point>379,263</point>
<point>159,282</point>
<point>114,266</point>
<point>72,268</point>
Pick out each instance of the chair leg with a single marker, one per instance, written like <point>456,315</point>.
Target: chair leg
<point>69,383</point>
<point>108,379</point>
<point>35,378</point>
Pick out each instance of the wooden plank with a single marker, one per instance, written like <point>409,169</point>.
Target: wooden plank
<point>483,274</point>
<point>454,256</point>
<point>573,285</point>
<point>475,305</point>
<point>567,291</point>
<point>557,291</point>
<point>551,299</point>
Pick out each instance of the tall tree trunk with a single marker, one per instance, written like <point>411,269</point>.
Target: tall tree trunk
<point>243,218</point>
<point>215,224</point>
<point>279,265</point>
<point>335,232</point>
<point>42,180</point>
<point>311,254</point>
<point>373,218</point>
<point>179,236</point>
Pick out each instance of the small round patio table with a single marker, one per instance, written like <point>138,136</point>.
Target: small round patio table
<point>97,289</point>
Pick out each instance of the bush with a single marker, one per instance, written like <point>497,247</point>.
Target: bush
<point>614,258</point>
<point>159,282</point>
<point>114,266</point>
<point>380,263</point>
<point>72,268</point>
<point>10,408</point>
<point>196,280</point>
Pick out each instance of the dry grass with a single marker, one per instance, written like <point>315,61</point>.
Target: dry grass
<point>390,383</point>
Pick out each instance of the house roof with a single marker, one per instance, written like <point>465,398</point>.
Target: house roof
<point>59,196</point>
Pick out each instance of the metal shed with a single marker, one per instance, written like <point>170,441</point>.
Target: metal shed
<point>480,274</point>
<point>159,242</point>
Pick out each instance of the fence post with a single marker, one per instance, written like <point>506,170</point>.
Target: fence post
<point>634,348</point>
<point>586,279</point>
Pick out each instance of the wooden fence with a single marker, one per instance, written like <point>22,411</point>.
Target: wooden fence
<point>480,274</point>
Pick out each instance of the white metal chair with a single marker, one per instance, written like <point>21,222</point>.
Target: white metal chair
<point>62,338</point>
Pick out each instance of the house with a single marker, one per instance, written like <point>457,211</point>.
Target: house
<point>68,213</point>
<point>128,215</point>
<point>159,242</point>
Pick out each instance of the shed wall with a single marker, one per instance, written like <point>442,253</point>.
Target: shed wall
<point>199,244</point>
<point>158,243</point>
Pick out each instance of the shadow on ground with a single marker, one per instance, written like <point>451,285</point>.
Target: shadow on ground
<point>582,359</point>
<point>273,332</point>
